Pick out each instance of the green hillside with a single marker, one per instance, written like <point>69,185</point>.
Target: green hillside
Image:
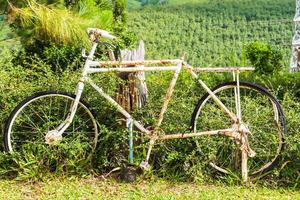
<point>212,32</point>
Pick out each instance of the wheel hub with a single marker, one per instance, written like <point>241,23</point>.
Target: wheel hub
<point>53,137</point>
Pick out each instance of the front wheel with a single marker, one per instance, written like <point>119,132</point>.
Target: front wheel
<point>42,112</point>
<point>261,113</point>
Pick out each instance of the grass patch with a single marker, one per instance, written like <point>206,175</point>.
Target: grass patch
<point>97,188</point>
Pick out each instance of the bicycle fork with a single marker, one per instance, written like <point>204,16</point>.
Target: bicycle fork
<point>243,131</point>
<point>54,136</point>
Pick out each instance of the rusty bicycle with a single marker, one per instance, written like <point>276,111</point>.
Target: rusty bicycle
<point>248,135</point>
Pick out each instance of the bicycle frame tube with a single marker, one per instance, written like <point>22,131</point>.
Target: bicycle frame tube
<point>237,95</point>
<point>176,65</point>
<point>117,106</point>
<point>168,95</point>
<point>176,68</point>
<point>214,97</point>
<point>226,132</point>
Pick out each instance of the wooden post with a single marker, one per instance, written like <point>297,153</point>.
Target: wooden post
<point>133,93</point>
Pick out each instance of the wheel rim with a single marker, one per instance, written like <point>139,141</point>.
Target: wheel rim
<point>37,116</point>
<point>264,121</point>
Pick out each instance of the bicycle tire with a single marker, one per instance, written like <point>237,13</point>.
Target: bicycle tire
<point>90,131</point>
<point>258,110</point>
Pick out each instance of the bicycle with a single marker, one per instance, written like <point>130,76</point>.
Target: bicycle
<point>241,142</point>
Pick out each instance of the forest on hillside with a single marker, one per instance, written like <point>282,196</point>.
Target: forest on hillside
<point>213,33</point>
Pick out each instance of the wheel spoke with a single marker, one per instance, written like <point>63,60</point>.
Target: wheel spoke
<point>34,119</point>
<point>258,113</point>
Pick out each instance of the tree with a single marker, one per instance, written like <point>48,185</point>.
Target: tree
<point>61,25</point>
<point>119,15</point>
<point>265,58</point>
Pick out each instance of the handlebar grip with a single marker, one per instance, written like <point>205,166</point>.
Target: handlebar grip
<point>100,33</point>
<point>107,35</point>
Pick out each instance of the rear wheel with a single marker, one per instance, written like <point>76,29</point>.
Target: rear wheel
<point>42,112</point>
<point>261,113</point>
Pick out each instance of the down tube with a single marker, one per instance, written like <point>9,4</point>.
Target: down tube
<point>117,106</point>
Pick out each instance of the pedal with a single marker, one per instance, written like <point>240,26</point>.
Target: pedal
<point>145,166</point>
<point>129,174</point>
<point>53,137</point>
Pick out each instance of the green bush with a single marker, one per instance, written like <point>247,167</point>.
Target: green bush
<point>58,57</point>
<point>36,74</point>
<point>266,59</point>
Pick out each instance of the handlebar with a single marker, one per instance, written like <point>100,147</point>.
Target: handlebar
<point>95,33</point>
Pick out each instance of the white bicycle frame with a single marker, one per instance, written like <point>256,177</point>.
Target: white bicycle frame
<point>175,65</point>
